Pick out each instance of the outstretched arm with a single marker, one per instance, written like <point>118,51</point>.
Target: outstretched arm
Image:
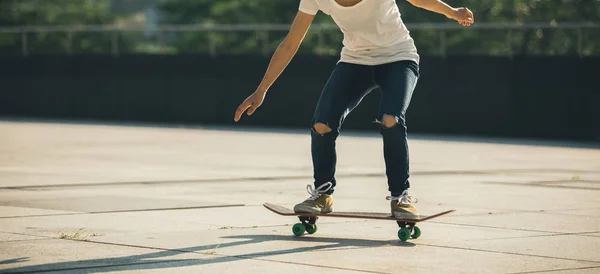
<point>279,61</point>
<point>287,49</point>
<point>463,15</point>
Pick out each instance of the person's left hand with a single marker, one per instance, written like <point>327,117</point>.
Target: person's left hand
<point>464,16</point>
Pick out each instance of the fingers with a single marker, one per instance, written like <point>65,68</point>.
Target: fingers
<point>466,23</point>
<point>466,17</point>
<point>471,15</point>
<point>246,105</point>
<point>251,110</point>
<point>241,109</point>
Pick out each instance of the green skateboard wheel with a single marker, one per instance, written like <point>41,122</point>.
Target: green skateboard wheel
<point>298,229</point>
<point>311,229</point>
<point>416,232</point>
<point>403,234</point>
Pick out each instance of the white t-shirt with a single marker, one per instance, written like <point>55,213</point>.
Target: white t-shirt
<point>373,30</point>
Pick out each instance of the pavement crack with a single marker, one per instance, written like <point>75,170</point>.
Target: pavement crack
<point>554,270</point>
<point>43,215</point>
<point>494,227</point>
<point>542,185</point>
<point>510,253</point>
<point>123,211</point>
<point>98,266</point>
<point>27,234</point>
<point>22,240</point>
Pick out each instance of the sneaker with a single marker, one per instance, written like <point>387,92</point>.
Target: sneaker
<point>318,202</point>
<point>402,206</point>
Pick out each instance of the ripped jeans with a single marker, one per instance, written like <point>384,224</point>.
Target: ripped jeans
<point>348,84</point>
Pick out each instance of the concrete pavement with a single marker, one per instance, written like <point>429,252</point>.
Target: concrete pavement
<point>77,198</point>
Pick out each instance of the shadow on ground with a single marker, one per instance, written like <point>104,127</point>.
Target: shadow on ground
<point>14,261</point>
<point>159,259</point>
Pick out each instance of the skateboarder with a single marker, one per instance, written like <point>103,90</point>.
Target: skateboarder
<point>379,52</point>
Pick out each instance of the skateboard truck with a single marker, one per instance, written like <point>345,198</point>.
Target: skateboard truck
<point>307,224</point>
<point>408,230</point>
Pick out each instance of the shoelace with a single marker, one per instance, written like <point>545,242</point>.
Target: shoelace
<point>316,193</point>
<point>403,198</point>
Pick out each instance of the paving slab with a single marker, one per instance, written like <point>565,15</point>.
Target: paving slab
<point>556,246</point>
<point>127,223</point>
<point>514,197</point>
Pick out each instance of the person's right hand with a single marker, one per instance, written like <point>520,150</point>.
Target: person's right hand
<point>251,104</point>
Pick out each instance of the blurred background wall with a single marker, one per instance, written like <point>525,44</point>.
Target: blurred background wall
<point>525,69</point>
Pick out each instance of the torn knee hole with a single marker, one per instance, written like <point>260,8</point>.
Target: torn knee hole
<point>321,128</point>
<point>389,121</point>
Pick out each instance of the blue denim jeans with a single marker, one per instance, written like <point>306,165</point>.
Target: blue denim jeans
<point>348,84</point>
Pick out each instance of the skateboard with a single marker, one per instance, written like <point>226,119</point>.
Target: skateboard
<point>408,228</point>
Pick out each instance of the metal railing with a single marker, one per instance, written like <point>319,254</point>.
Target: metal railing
<point>163,29</point>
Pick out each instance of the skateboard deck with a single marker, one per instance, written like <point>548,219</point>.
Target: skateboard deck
<point>408,229</point>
